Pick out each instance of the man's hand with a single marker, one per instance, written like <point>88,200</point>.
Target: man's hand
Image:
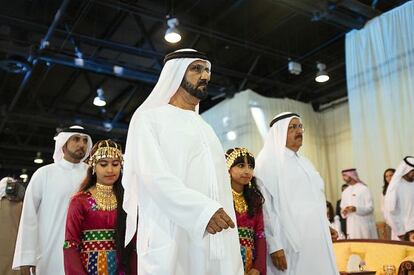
<point>410,236</point>
<point>25,270</point>
<point>279,260</point>
<point>348,209</point>
<point>351,209</point>
<point>334,234</point>
<point>253,272</point>
<point>219,221</point>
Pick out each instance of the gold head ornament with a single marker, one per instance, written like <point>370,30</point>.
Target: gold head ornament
<point>106,151</point>
<point>237,152</point>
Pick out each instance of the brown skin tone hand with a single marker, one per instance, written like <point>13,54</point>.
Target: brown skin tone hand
<point>334,234</point>
<point>279,260</point>
<point>348,209</point>
<point>219,221</point>
<point>25,270</point>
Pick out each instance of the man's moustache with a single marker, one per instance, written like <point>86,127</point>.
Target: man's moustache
<point>202,82</point>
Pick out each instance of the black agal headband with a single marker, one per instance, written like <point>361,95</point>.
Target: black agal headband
<point>276,119</point>
<point>74,130</point>
<point>407,162</point>
<point>185,54</point>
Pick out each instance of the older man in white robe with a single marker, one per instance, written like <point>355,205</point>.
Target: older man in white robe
<point>399,201</point>
<point>39,245</point>
<point>175,172</point>
<point>297,229</point>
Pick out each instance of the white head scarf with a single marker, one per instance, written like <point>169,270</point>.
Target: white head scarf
<point>3,185</point>
<point>352,172</point>
<point>170,79</point>
<point>390,199</point>
<point>270,174</point>
<point>63,137</point>
<point>168,83</point>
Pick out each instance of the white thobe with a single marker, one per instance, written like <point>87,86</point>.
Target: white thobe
<point>359,224</point>
<point>394,236</point>
<point>182,182</point>
<point>42,224</point>
<point>304,190</point>
<point>401,219</point>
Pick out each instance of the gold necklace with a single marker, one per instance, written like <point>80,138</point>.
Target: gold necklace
<point>239,202</point>
<point>105,197</point>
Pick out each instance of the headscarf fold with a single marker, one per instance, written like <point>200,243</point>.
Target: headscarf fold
<point>353,174</point>
<point>64,136</point>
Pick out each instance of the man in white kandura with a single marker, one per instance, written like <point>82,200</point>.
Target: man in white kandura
<point>42,225</point>
<point>399,200</point>
<point>357,207</point>
<point>175,172</point>
<point>297,231</point>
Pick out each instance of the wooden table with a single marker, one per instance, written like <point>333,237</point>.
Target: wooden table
<point>358,273</point>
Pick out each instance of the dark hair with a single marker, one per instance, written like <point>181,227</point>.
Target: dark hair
<point>251,192</point>
<point>331,214</point>
<point>124,253</point>
<point>385,186</point>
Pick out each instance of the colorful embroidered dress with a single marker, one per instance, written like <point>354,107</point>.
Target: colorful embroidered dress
<point>251,235</point>
<point>89,246</point>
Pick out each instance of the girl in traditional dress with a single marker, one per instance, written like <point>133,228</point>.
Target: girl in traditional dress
<point>248,201</point>
<point>95,224</point>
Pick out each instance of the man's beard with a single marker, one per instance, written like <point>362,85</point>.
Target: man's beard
<point>199,91</point>
<point>76,155</point>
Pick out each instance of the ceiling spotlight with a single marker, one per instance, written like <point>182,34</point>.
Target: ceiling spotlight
<point>231,135</point>
<point>99,100</point>
<point>38,158</point>
<point>118,70</point>
<point>24,174</point>
<point>79,62</point>
<point>79,57</point>
<point>294,67</point>
<point>108,126</point>
<point>321,75</point>
<point>172,35</point>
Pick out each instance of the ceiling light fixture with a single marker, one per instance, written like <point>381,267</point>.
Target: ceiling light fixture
<point>24,174</point>
<point>172,35</point>
<point>231,135</point>
<point>38,158</point>
<point>99,100</point>
<point>321,75</point>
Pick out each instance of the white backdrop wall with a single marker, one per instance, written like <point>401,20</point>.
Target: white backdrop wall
<point>380,80</point>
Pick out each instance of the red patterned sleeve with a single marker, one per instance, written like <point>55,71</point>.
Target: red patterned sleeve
<point>260,244</point>
<point>71,254</point>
